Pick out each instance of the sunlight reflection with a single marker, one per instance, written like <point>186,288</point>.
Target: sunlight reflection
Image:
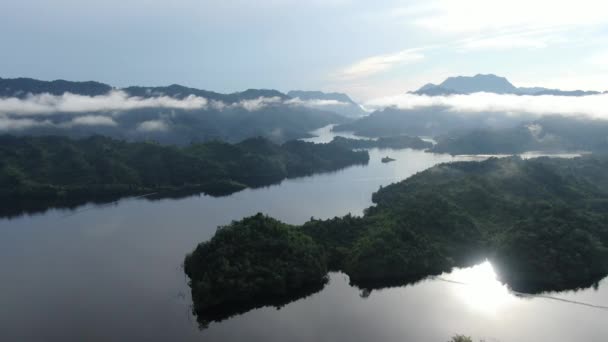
<point>479,288</point>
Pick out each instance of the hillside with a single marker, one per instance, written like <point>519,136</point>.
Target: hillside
<point>41,172</point>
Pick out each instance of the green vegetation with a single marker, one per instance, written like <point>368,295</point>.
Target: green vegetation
<point>460,338</point>
<point>543,223</point>
<point>257,260</point>
<point>38,172</point>
<point>395,142</point>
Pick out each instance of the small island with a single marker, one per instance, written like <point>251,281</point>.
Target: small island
<point>51,171</point>
<point>543,223</point>
<point>387,159</point>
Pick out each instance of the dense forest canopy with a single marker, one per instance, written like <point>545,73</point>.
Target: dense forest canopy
<point>54,170</point>
<point>542,222</point>
<point>259,259</point>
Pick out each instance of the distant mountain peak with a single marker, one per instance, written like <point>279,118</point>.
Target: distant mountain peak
<point>427,86</point>
<point>490,83</point>
<point>479,83</point>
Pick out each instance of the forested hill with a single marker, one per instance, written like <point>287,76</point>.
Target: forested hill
<point>48,171</point>
<point>543,223</point>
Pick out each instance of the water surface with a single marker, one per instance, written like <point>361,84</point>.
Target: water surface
<point>112,273</point>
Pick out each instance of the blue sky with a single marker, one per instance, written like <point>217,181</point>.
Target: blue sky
<point>368,49</point>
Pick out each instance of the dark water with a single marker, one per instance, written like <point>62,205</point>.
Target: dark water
<point>113,274</point>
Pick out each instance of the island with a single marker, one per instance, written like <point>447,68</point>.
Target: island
<point>52,171</point>
<point>543,223</point>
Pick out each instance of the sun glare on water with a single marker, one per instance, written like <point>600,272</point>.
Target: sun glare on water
<point>479,288</point>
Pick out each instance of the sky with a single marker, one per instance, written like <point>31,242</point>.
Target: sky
<point>368,49</point>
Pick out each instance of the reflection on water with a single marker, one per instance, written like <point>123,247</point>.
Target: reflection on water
<point>479,288</point>
<point>113,273</point>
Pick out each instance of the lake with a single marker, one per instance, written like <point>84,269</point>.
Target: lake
<point>113,273</point>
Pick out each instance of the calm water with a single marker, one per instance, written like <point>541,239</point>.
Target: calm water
<point>113,274</point>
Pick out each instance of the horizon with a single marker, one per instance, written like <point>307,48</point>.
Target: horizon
<point>286,91</point>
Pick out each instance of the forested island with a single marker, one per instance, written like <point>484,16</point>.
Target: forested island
<point>41,172</point>
<point>543,223</point>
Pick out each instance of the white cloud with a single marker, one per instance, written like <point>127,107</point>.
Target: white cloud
<point>512,40</point>
<point>315,103</point>
<point>9,124</point>
<point>118,101</point>
<point>380,63</point>
<point>153,126</point>
<point>599,59</point>
<point>114,101</point>
<point>92,120</point>
<point>595,106</point>
<point>259,103</point>
<point>477,16</point>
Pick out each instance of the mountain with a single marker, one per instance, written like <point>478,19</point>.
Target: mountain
<point>425,121</point>
<point>547,134</point>
<point>21,87</point>
<point>558,92</point>
<point>344,104</point>
<point>179,120</point>
<point>181,92</point>
<point>490,84</point>
<point>468,85</point>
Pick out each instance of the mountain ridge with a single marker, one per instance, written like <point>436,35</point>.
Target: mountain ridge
<point>490,83</point>
<point>22,87</point>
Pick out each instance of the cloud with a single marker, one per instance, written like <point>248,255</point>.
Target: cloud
<point>153,126</point>
<point>92,120</point>
<point>9,124</point>
<point>599,59</point>
<point>594,106</point>
<point>259,103</point>
<point>315,103</point>
<point>513,40</point>
<point>380,63</point>
<point>103,108</point>
<point>476,16</point>
<point>114,101</point>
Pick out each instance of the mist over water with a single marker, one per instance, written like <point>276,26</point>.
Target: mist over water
<point>113,273</point>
